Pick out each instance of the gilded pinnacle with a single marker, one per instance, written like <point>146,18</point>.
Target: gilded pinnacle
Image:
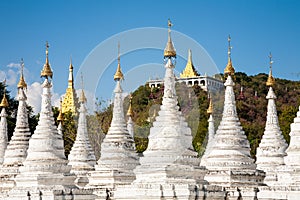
<point>60,115</point>
<point>46,71</point>
<point>229,70</point>
<point>210,107</point>
<point>169,50</point>
<point>4,102</point>
<point>22,83</point>
<point>118,75</point>
<point>130,112</point>
<point>271,80</point>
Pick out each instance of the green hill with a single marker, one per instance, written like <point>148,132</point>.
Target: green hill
<point>193,102</point>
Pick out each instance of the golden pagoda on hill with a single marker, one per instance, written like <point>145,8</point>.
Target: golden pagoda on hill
<point>189,70</point>
<point>70,100</point>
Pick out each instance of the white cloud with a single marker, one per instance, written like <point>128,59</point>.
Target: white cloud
<point>34,97</point>
<point>14,65</point>
<point>11,78</point>
<point>2,75</point>
<point>34,92</point>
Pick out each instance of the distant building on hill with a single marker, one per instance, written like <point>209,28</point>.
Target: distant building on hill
<point>191,77</point>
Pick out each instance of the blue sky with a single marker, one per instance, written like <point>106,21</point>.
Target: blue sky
<point>78,28</point>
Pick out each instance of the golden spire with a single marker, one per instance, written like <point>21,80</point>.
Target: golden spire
<point>118,75</point>
<point>4,102</point>
<point>70,80</point>
<point>271,80</point>
<point>22,84</point>
<point>169,50</point>
<point>130,112</point>
<point>60,115</point>
<point>189,70</point>
<point>47,69</point>
<point>210,107</point>
<point>82,98</point>
<point>229,70</point>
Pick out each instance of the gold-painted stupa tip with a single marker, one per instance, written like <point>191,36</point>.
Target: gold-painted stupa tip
<point>82,98</point>
<point>22,83</point>
<point>170,49</point>
<point>60,115</point>
<point>130,112</point>
<point>71,65</point>
<point>229,69</point>
<point>4,102</point>
<point>118,75</point>
<point>46,71</point>
<point>210,107</point>
<point>271,80</point>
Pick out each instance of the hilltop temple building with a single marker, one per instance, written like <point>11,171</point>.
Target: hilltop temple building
<point>34,167</point>
<point>191,77</point>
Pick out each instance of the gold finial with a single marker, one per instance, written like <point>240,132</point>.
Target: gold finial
<point>22,83</point>
<point>71,65</point>
<point>210,107</point>
<point>46,71</point>
<point>118,75</point>
<point>229,70</point>
<point>271,80</point>
<point>169,50</point>
<point>130,112</point>
<point>60,115</point>
<point>82,98</point>
<point>4,102</point>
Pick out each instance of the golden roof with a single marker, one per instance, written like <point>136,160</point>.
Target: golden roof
<point>169,50</point>
<point>60,115</point>
<point>118,75</point>
<point>130,112</point>
<point>22,83</point>
<point>229,69</point>
<point>46,71</point>
<point>271,80</point>
<point>210,107</point>
<point>189,70</point>
<point>4,102</point>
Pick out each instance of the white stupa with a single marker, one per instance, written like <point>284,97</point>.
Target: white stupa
<point>169,166</point>
<point>229,162</point>
<point>45,173</point>
<point>271,150</point>
<point>211,134</point>
<point>82,157</point>
<point>118,157</point>
<point>3,127</point>
<point>288,175</point>
<point>16,151</point>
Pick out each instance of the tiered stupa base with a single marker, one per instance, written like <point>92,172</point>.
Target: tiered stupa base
<point>170,191</point>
